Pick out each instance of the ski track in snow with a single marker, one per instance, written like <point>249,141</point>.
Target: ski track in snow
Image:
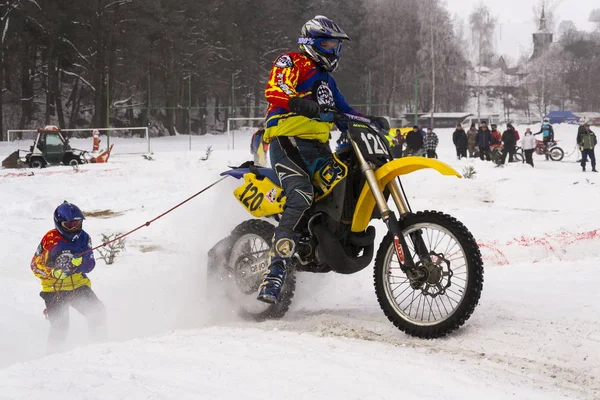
<point>535,333</point>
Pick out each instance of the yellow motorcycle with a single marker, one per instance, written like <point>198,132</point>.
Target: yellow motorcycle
<point>428,271</point>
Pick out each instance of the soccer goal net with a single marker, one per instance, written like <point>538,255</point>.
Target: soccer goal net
<point>131,140</point>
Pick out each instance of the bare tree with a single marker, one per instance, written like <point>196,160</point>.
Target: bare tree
<point>482,38</point>
<point>595,18</point>
<point>176,64</point>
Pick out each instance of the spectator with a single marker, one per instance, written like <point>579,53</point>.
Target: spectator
<point>529,146</point>
<point>483,140</point>
<point>258,148</point>
<point>510,142</point>
<point>430,143</point>
<point>390,137</point>
<point>496,137</point>
<point>422,131</point>
<point>460,140</point>
<point>399,139</point>
<point>471,140</point>
<point>587,141</point>
<point>397,144</point>
<point>414,143</point>
<point>580,131</point>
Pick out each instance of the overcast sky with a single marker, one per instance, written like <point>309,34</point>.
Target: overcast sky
<point>515,19</point>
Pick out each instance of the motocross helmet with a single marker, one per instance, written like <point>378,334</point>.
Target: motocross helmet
<point>321,40</point>
<point>546,120</point>
<point>68,220</point>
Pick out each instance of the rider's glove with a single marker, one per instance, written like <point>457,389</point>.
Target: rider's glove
<point>76,261</point>
<point>304,107</point>
<point>381,122</point>
<point>61,273</point>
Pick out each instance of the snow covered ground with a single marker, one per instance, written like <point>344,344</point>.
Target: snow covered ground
<point>535,334</point>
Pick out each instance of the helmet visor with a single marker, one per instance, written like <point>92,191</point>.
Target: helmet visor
<point>72,226</point>
<point>329,46</point>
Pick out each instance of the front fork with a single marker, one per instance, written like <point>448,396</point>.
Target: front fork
<point>403,253</point>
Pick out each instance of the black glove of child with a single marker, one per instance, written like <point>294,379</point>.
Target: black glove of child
<point>304,107</point>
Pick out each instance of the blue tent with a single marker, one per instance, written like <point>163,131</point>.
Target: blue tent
<point>562,117</point>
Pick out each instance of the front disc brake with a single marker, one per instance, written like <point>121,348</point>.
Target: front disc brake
<point>429,276</point>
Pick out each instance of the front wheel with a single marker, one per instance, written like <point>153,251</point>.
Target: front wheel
<point>450,277</point>
<point>37,162</point>
<point>518,157</point>
<point>497,156</point>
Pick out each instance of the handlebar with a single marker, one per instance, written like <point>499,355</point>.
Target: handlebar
<point>339,116</point>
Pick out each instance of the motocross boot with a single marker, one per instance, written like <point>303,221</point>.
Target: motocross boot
<point>270,288</point>
<point>284,247</point>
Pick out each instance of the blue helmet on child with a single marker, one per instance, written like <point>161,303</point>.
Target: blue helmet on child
<point>321,40</point>
<point>68,220</point>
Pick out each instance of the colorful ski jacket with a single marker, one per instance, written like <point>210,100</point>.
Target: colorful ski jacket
<point>295,75</point>
<point>55,251</point>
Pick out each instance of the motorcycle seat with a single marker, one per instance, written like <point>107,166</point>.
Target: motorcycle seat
<point>260,172</point>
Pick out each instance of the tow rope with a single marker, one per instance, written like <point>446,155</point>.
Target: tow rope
<point>154,219</point>
<point>138,228</point>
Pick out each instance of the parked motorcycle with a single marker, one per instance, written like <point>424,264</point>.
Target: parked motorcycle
<point>428,270</point>
<point>552,151</point>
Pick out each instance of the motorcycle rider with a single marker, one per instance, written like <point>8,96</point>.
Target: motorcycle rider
<point>298,133</point>
<point>547,132</point>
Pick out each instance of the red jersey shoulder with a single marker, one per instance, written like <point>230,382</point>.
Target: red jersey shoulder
<point>51,239</point>
<point>294,59</point>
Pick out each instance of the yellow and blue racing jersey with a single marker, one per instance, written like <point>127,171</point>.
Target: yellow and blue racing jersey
<point>295,75</point>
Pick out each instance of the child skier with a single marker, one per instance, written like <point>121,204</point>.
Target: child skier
<point>61,261</point>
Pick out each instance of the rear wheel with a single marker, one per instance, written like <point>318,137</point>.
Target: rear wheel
<point>72,160</point>
<point>556,153</point>
<point>450,278</point>
<point>245,260</point>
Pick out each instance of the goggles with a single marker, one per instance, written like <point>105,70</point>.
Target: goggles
<point>324,45</point>
<point>72,226</point>
<point>329,46</point>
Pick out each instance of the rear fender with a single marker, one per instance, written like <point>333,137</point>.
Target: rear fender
<point>385,174</point>
<point>260,197</point>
